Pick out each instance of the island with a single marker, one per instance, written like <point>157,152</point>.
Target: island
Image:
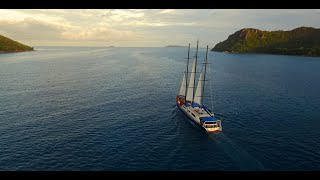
<point>8,45</point>
<point>300,41</point>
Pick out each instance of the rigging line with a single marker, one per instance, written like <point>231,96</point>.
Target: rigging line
<point>204,75</point>
<point>210,69</point>
<point>194,80</point>
<point>186,74</point>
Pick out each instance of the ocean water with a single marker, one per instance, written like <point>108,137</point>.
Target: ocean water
<point>78,108</point>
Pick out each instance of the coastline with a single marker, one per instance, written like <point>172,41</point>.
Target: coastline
<point>264,53</point>
<point>3,52</point>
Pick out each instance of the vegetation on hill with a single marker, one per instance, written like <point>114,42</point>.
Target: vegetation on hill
<point>299,41</point>
<point>9,45</point>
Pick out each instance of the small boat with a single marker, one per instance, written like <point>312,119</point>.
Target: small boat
<point>190,97</point>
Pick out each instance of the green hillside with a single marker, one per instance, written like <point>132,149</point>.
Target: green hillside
<point>9,45</point>
<point>299,41</point>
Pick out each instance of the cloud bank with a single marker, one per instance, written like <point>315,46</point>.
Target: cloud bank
<point>143,27</point>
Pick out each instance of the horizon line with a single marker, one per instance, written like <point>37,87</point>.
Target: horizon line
<point>115,46</point>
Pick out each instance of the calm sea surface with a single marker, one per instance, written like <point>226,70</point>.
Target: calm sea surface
<point>71,108</point>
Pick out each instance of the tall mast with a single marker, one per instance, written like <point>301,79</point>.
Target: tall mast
<point>194,80</point>
<point>204,75</point>
<point>187,71</point>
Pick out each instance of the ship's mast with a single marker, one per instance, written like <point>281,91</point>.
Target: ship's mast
<point>187,72</point>
<point>204,75</point>
<point>194,80</point>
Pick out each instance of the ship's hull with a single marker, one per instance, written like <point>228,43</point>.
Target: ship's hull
<point>191,119</point>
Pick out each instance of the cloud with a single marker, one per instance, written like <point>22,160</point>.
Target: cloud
<point>168,11</point>
<point>30,29</point>
<point>145,26</point>
<point>17,16</point>
<point>42,27</point>
<point>99,34</point>
<point>158,24</point>
<point>122,15</point>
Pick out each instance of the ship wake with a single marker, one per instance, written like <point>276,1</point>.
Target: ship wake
<point>242,159</point>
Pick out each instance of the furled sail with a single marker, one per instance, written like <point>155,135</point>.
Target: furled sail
<point>197,96</point>
<point>191,82</point>
<point>183,86</point>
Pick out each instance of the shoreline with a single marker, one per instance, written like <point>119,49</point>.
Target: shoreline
<point>302,55</point>
<point>3,52</point>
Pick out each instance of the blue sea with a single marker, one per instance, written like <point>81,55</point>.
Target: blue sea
<point>89,108</point>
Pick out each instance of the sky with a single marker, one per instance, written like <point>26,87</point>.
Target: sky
<point>144,27</point>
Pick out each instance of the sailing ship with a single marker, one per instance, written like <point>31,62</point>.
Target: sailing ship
<point>190,97</point>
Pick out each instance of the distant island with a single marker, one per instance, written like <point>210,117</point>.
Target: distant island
<point>8,45</point>
<point>175,46</point>
<point>299,41</point>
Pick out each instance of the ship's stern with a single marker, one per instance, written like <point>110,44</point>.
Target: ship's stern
<point>213,127</point>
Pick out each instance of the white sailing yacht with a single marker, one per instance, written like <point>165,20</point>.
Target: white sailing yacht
<point>190,97</point>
